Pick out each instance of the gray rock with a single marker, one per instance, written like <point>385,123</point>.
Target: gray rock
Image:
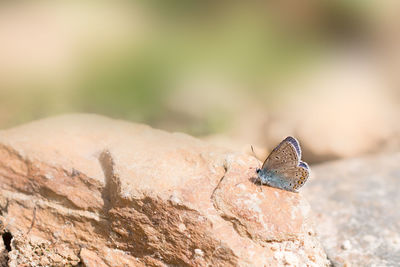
<point>356,203</point>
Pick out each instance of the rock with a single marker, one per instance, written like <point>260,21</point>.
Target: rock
<point>100,192</point>
<point>346,245</point>
<point>3,254</point>
<point>356,205</point>
<point>36,252</point>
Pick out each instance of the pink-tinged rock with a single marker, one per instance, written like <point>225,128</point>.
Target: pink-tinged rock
<point>114,193</point>
<point>264,213</point>
<point>3,254</point>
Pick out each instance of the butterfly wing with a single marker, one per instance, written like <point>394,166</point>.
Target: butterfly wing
<point>283,168</point>
<point>286,155</point>
<point>295,177</point>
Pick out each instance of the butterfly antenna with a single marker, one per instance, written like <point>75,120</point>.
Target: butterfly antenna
<point>254,153</point>
<point>257,178</point>
<point>252,149</point>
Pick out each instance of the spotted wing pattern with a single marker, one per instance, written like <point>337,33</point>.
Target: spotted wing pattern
<point>283,167</point>
<point>295,177</point>
<point>284,156</point>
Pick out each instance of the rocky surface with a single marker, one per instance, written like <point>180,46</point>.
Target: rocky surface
<point>84,189</point>
<point>3,250</point>
<point>357,210</point>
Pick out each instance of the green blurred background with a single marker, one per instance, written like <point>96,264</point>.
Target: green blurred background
<point>232,72</point>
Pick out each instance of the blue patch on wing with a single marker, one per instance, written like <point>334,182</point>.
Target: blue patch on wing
<point>304,165</point>
<point>295,143</point>
<point>275,180</point>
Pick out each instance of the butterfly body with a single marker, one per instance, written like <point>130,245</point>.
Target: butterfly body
<point>283,168</point>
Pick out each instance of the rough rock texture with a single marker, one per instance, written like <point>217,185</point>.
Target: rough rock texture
<point>3,250</point>
<point>357,210</point>
<point>99,192</point>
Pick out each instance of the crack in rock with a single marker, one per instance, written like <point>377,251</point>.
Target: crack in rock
<point>112,182</point>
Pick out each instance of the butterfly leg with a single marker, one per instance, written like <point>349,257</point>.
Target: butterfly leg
<point>258,181</point>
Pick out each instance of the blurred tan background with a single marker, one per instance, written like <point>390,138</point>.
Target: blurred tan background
<point>231,72</point>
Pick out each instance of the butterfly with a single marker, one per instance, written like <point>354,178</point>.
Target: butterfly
<point>283,168</point>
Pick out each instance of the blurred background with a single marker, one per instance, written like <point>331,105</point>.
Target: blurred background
<point>231,72</point>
